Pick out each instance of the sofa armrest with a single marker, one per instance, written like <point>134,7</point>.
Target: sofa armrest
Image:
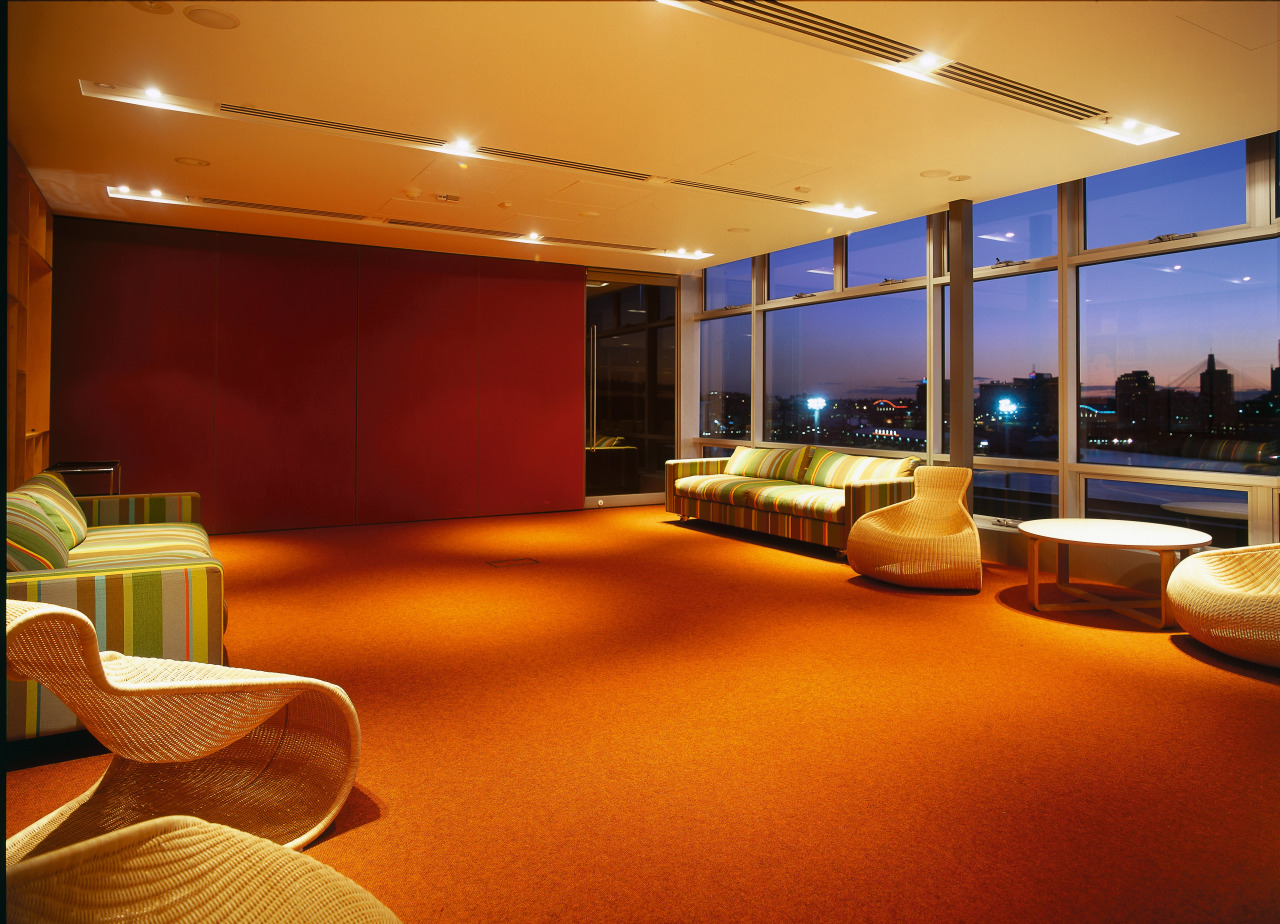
<point>682,468</point>
<point>123,509</point>
<point>864,496</point>
<point>173,610</point>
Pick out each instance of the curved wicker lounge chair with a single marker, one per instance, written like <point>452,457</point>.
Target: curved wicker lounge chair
<point>927,541</point>
<point>184,869</point>
<point>270,754</point>
<point>1229,599</point>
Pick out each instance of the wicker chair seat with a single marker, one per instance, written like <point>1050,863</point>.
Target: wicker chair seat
<point>271,754</point>
<point>1229,599</point>
<point>182,869</point>
<point>927,541</point>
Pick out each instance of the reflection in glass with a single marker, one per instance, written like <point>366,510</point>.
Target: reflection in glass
<point>1199,191</point>
<point>631,365</point>
<point>1178,360</point>
<point>725,390</point>
<point>896,251</point>
<point>802,270</point>
<point>864,357</point>
<point>1015,495</point>
<point>727,285</point>
<point>1223,514</point>
<point>1021,227</point>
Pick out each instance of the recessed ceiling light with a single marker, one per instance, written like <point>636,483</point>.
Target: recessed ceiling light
<point>123,189</point>
<point>152,93</point>
<point>191,161</point>
<point>1130,131</point>
<point>156,192</point>
<point>934,174</point>
<point>213,19</point>
<point>105,86</point>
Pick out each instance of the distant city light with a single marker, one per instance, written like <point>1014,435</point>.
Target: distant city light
<point>817,404</point>
<point>1007,407</point>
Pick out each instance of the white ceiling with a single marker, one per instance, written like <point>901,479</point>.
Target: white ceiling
<point>631,85</point>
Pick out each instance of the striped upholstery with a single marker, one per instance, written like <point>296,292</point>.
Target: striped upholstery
<point>167,541</point>
<point>702,488</point>
<point>171,611</point>
<point>802,501</point>
<point>726,489</point>
<point>31,541</point>
<point>786,464</point>
<point>122,509</point>
<point>59,504</point>
<point>144,574</point>
<point>836,469</point>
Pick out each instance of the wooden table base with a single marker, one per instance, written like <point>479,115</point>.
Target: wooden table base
<point>1125,607</point>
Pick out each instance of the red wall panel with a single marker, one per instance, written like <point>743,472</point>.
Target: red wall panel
<point>417,430</point>
<point>285,433</point>
<point>133,353</point>
<point>298,384</point>
<point>531,387</point>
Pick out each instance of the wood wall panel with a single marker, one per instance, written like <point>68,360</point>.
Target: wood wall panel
<point>532,381</point>
<point>133,372</point>
<point>286,435</point>
<point>417,406</point>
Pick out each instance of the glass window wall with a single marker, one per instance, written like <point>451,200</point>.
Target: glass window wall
<point>725,394</point>
<point>847,373</point>
<point>802,270</point>
<point>1016,228</point>
<point>1200,191</point>
<point>728,285</point>
<point>893,252</point>
<point>1178,360</point>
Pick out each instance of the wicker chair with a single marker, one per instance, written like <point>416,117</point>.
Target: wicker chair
<point>270,754</point>
<point>1229,599</point>
<point>927,541</point>
<point>184,869</point>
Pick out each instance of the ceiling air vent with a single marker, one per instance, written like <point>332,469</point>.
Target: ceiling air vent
<point>1000,86</point>
<point>315,213</point>
<point>331,126</point>
<point>455,229</point>
<point>740,192</point>
<point>773,13</point>
<point>570,164</point>
<point>569,240</point>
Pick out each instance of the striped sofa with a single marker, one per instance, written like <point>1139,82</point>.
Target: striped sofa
<point>139,566</point>
<point>810,494</point>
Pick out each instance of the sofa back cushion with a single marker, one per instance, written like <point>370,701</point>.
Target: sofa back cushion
<point>831,469</point>
<point>31,542</point>
<point>59,505</point>
<point>778,464</point>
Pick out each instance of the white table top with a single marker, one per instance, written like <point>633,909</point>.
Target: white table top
<point>1121,534</point>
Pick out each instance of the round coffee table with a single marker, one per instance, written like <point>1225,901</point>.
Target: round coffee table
<point>1170,541</point>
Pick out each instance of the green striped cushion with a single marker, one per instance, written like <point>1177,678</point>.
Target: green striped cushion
<point>797,500</point>
<point>784,464</point>
<point>31,542</point>
<point>170,541</point>
<point>51,487</point>
<point>70,529</point>
<point>833,469</point>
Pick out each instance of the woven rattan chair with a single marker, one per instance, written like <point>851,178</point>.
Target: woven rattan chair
<point>927,541</point>
<point>181,869</point>
<point>1229,599</point>
<point>270,754</point>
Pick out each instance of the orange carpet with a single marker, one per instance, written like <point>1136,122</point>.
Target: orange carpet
<point>610,716</point>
